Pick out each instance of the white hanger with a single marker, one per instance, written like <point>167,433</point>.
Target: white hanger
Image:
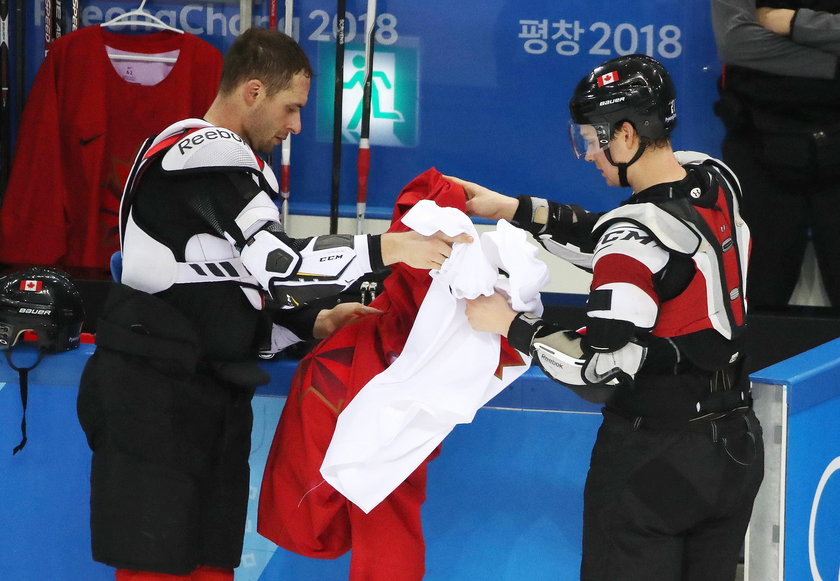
<point>141,17</point>
<point>142,57</point>
<point>151,20</point>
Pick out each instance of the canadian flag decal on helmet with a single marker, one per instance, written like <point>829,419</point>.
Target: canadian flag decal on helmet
<point>31,285</point>
<point>608,78</point>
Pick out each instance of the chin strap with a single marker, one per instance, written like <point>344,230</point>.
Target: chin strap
<point>622,166</point>
<point>23,373</point>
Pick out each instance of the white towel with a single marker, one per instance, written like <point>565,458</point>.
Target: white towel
<point>446,370</point>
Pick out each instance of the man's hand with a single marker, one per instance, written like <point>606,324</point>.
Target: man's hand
<point>491,314</point>
<point>775,19</point>
<point>330,320</point>
<point>485,202</point>
<point>418,251</point>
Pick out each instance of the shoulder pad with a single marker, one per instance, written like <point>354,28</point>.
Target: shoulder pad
<point>210,147</point>
<point>697,158</point>
<point>219,149</point>
<point>671,232</point>
<point>690,157</point>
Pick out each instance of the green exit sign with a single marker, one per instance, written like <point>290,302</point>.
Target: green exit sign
<point>394,102</point>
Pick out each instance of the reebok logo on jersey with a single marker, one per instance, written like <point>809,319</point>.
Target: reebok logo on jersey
<point>196,139</point>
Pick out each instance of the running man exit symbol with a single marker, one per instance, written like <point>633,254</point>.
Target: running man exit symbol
<point>379,83</point>
<point>394,99</point>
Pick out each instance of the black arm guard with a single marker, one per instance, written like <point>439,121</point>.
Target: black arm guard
<point>564,223</point>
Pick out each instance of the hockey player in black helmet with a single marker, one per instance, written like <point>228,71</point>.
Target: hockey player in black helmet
<point>44,301</point>
<point>679,456</point>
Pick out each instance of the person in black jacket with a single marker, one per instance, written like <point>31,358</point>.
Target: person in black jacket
<point>780,103</point>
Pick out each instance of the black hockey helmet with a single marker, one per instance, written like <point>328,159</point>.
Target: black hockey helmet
<point>634,88</point>
<point>43,300</point>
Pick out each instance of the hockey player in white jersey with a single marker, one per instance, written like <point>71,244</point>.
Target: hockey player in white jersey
<point>679,456</point>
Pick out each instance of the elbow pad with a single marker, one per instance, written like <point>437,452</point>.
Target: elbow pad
<point>324,266</point>
<point>269,259</point>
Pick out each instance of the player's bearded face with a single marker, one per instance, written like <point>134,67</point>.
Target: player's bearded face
<point>278,116</point>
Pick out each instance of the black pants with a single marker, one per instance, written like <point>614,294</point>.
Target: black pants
<point>170,442</point>
<point>669,505</point>
<point>780,214</point>
<point>169,473</point>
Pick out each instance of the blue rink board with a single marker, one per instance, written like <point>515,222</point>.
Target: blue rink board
<point>504,496</point>
<point>812,479</point>
<point>44,531</point>
<point>813,520</point>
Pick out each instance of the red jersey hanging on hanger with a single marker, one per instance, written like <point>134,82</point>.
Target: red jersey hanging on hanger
<point>87,113</point>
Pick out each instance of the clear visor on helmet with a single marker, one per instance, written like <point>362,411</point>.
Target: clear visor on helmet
<point>588,138</point>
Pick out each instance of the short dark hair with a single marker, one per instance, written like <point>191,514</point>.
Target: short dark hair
<point>268,55</point>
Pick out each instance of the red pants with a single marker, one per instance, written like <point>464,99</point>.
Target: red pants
<point>200,574</point>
